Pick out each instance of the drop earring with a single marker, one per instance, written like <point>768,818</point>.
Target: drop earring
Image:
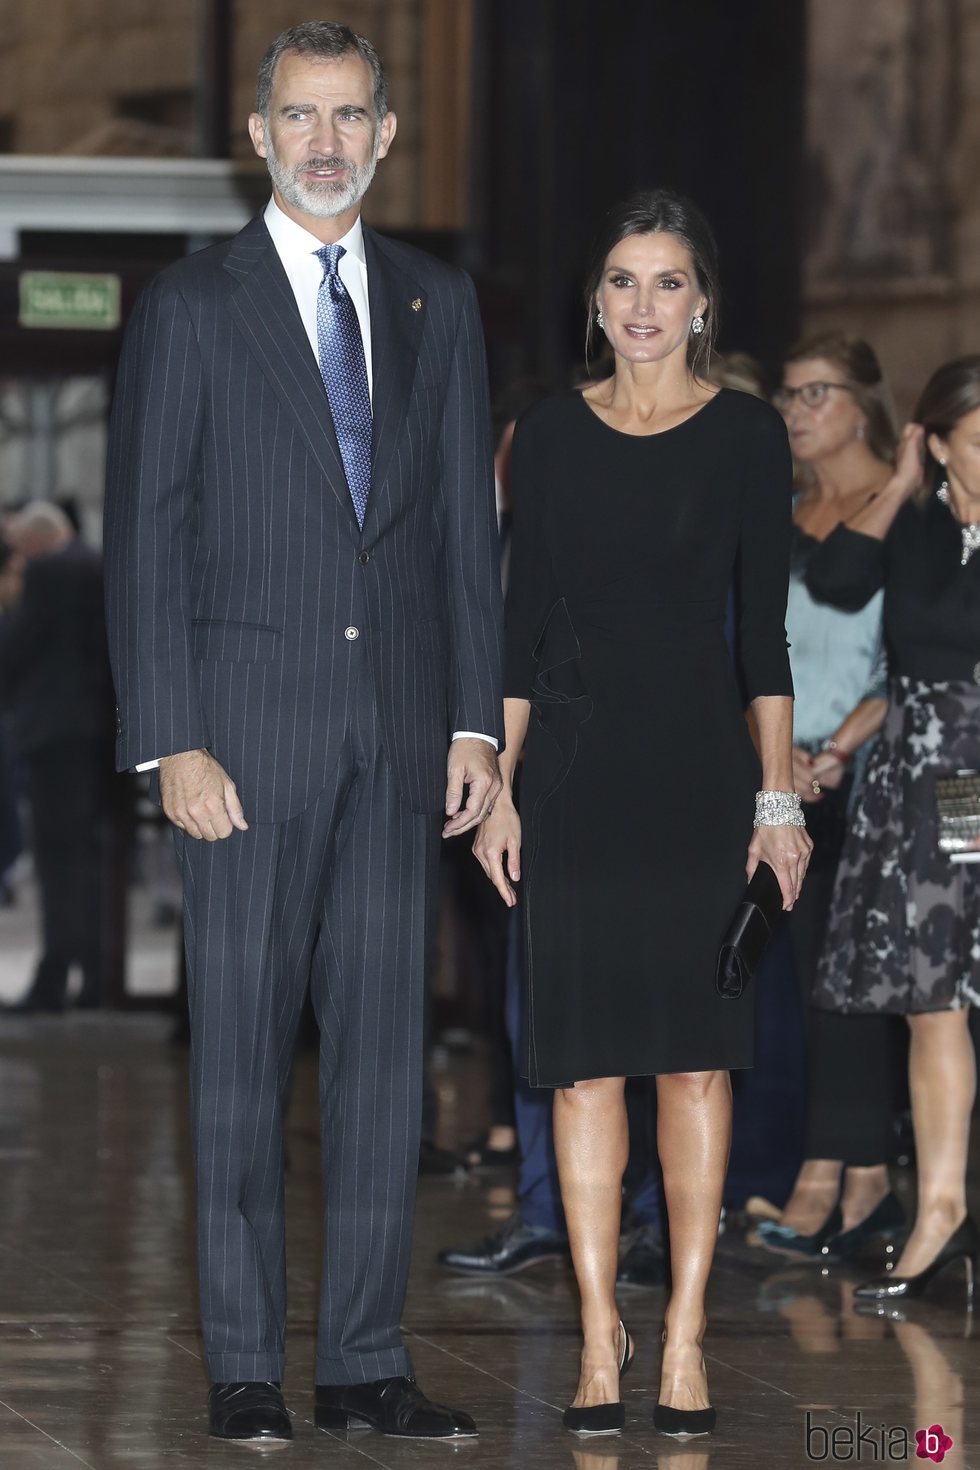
<point>599,321</point>
<point>697,325</point>
<point>860,431</point>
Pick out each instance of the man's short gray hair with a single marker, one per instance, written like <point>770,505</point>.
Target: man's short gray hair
<point>327,40</point>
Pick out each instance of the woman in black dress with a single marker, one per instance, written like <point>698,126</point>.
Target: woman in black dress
<point>904,930</point>
<point>637,503</point>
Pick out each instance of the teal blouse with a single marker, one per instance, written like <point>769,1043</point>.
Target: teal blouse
<point>837,658</point>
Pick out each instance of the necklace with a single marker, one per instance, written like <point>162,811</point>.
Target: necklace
<point>970,533</point>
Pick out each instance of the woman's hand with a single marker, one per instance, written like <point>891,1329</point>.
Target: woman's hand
<point>498,837</point>
<point>828,770</point>
<point>910,458</point>
<point>804,775</point>
<point>787,851</point>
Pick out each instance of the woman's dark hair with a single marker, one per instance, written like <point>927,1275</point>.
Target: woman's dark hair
<point>857,362</point>
<point>951,393</point>
<point>655,212</point>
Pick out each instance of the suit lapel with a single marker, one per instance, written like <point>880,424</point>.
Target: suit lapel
<point>265,309</point>
<point>398,308</point>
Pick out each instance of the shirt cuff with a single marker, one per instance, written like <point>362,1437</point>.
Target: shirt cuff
<point>148,766</point>
<point>475,735</point>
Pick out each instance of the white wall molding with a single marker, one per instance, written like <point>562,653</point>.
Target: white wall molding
<point>126,195</point>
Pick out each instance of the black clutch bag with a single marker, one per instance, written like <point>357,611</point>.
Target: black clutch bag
<point>753,925</point>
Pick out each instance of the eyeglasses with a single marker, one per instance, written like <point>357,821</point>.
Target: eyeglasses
<point>811,395</point>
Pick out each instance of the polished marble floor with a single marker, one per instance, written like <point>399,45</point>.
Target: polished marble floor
<point>100,1362</point>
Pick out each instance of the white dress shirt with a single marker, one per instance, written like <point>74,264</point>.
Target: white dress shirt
<point>297,249</point>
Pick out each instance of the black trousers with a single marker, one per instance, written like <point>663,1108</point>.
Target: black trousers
<point>68,792</point>
<point>852,1060</point>
<point>338,900</point>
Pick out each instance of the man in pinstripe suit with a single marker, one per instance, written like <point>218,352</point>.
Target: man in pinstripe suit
<point>303,604</point>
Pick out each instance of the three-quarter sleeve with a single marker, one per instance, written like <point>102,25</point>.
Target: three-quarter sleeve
<point>846,569</point>
<point>531,587</point>
<point>764,556</point>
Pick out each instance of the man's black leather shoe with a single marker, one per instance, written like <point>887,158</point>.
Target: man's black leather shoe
<point>392,1406</point>
<point>645,1262</point>
<point>514,1246</point>
<point>248,1411</point>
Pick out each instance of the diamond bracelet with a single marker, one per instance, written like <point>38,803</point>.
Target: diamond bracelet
<point>778,809</point>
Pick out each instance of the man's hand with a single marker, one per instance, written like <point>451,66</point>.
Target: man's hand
<point>472,763</point>
<point>199,796</point>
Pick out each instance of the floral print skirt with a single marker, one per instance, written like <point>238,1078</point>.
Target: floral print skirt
<point>904,931</point>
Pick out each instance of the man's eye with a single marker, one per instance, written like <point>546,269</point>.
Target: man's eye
<point>349,116</point>
<point>296,116</point>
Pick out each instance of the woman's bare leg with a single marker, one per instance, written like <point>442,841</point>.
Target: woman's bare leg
<point>818,1185</point>
<point>814,1195</point>
<point>591,1146</point>
<point>942,1084</point>
<point>694,1132</point>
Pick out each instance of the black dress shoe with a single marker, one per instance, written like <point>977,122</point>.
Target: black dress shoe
<point>440,1163</point>
<point>392,1406</point>
<point>645,1262</point>
<point>603,1418</point>
<point>885,1221</point>
<point>248,1411</point>
<point>963,1245</point>
<point>513,1247</point>
<point>479,1155</point>
<point>683,1423</point>
<point>31,1005</point>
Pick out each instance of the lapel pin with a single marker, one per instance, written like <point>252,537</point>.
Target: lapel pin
<point>417,304</point>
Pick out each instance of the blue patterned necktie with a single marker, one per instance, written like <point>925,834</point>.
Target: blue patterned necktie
<point>342,367</point>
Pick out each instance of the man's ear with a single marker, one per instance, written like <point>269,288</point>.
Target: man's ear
<point>389,127</point>
<point>256,131</point>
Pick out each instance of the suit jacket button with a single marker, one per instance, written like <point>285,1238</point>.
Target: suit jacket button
<point>364,558</point>
<point>351,633</point>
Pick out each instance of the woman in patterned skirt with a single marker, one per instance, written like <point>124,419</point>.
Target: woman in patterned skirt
<point>904,933</point>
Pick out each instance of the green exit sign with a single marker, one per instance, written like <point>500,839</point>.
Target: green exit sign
<point>58,299</point>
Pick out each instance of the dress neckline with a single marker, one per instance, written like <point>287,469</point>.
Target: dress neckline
<point>657,433</point>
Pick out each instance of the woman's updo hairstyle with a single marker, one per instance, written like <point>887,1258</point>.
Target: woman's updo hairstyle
<point>654,212</point>
<point>951,393</point>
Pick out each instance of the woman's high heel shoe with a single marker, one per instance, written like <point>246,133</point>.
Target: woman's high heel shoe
<point>963,1245</point>
<point>886,1220</point>
<point>603,1418</point>
<point>788,1242</point>
<point>682,1422</point>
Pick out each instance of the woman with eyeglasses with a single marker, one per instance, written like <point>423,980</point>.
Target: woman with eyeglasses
<point>904,931</point>
<point>842,430</point>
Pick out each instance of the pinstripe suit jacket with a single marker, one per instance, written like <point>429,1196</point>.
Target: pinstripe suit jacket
<point>234,561</point>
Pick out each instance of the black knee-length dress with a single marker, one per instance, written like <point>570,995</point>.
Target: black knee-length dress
<point>637,793</point>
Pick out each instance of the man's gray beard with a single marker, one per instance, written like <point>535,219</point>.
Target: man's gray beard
<point>325,200</point>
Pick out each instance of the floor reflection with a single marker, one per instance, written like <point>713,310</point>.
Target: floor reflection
<point>100,1360</point>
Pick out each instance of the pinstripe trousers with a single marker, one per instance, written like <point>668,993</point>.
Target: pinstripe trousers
<point>338,898</point>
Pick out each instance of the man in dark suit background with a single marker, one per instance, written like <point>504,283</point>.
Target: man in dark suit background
<point>56,688</point>
<point>303,604</point>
